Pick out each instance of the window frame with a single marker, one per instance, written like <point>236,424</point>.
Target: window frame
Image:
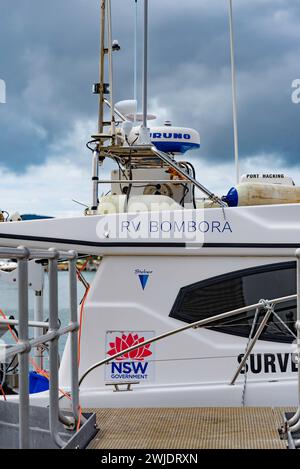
<point>213,281</point>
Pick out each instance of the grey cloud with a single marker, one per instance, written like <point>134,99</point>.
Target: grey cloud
<point>50,60</point>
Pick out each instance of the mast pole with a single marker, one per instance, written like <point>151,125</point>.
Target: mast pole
<point>101,70</point>
<point>135,55</point>
<point>145,68</point>
<point>110,66</point>
<point>234,96</point>
<point>96,153</point>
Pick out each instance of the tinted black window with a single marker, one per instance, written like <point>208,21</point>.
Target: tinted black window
<point>241,288</point>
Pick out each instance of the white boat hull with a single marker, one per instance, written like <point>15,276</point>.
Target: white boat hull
<point>193,368</point>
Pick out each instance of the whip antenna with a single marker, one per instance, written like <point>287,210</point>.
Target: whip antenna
<point>234,98</point>
<point>145,77</point>
<point>135,54</point>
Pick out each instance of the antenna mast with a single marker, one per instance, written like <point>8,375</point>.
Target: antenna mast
<point>145,77</point>
<point>144,134</point>
<point>102,89</point>
<point>135,54</point>
<point>101,71</point>
<point>110,71</point>
<point>234,97</point>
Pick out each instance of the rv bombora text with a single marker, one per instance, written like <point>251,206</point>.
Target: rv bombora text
<point>166,226</point>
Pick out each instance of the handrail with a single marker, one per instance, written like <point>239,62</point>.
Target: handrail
<point>293,424</point>
<point>15,322</point>
<point>54,332</point>
<point>201,323</point>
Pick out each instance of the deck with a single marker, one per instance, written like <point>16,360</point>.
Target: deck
<point>189,428</point>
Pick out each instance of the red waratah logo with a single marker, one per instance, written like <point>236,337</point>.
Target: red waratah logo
<point>126,341</point>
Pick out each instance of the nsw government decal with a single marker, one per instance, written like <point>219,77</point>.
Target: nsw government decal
<point>137,365</point>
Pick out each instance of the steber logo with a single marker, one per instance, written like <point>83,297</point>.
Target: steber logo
<point>126,341</point>
<point>136,365</point>
<point>143,276</point>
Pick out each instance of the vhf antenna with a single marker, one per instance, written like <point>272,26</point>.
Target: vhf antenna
<point>145,72</point>
<point>101,71</point>
<point>234,97</point>
<point>135,66</point>
<point>144,134</point>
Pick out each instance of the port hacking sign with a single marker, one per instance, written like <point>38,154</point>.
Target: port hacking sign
<point>188,226</point>
<point>137,365</point>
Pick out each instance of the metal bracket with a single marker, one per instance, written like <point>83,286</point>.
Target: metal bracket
<point>270,309</point>
<point>128,386</point>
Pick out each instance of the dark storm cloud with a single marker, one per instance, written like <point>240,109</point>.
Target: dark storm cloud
<point>196,74</point>
<point>49,59</point>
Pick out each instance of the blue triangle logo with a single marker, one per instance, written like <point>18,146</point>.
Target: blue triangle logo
<point>143,279</point>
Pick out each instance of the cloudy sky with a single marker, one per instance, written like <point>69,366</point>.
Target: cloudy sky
<point>49,60</point>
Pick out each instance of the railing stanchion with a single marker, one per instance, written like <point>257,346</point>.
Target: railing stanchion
<point>38,316</point>
<point>294,423</point>
<point>53,353</point>
<point>23,356</point>
<point>74,336</point>
<point>270,310</point>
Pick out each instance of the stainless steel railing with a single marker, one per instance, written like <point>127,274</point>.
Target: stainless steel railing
<point>263,304</point>
<point>24,345</point>
<point>293,425</point>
